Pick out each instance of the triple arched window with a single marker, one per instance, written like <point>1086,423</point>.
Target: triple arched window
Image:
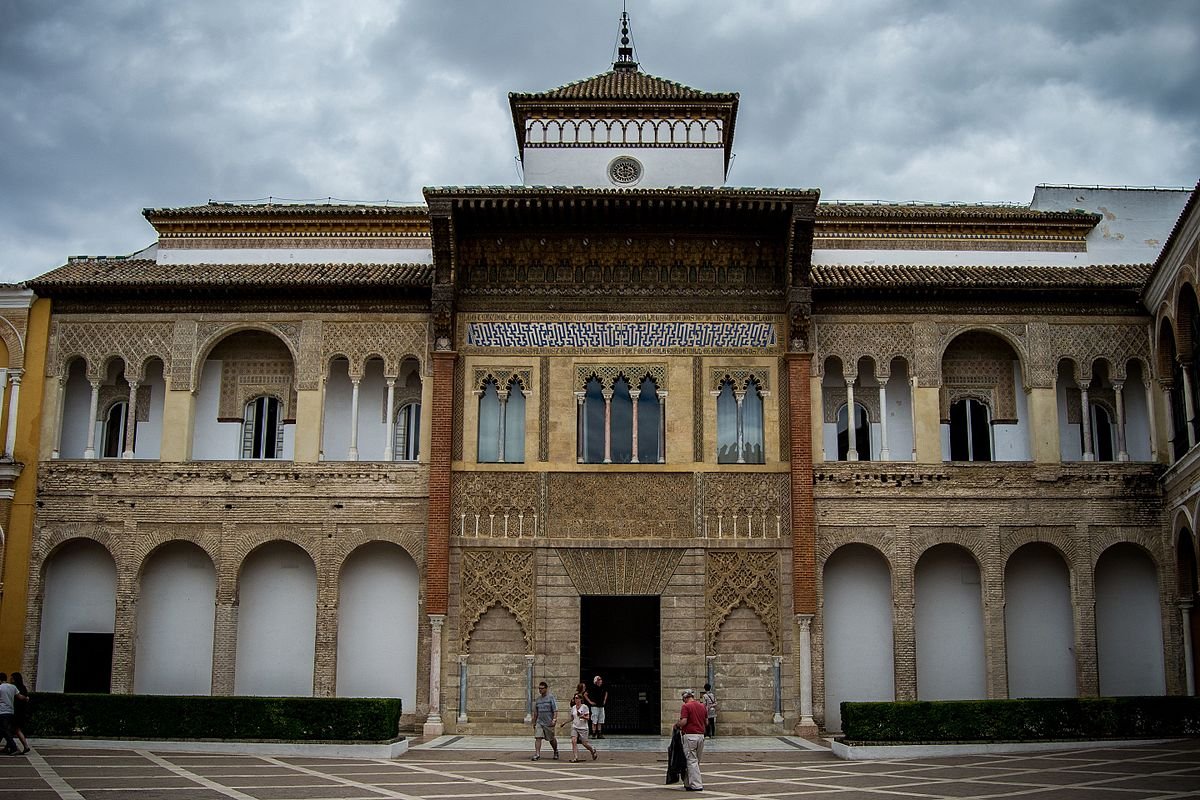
<point>740,424</point>
<point>501,422</point>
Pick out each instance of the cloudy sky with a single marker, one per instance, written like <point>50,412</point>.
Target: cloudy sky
<point>111,106</point>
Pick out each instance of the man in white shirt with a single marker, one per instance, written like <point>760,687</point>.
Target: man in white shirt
<point>8,713</point>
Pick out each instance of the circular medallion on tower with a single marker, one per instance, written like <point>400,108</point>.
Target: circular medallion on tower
<point>625,170</point>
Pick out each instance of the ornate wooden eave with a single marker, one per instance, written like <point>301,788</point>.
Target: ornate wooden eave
<point>577,248</point>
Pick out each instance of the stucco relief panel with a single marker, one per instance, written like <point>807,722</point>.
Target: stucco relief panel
<point>502,577</point>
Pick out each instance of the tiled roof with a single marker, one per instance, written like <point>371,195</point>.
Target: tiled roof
<point>928,211</point>
<point>340,210</point>
<point>1192,200</point>
<point>624,85</point>
<point>132,273</point>
<point>894,276</point>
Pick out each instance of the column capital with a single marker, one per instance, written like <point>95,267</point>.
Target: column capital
<point>804,621</point>
<point>437,620</point>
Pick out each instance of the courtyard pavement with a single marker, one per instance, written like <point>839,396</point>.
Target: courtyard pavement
<point>733,768</point>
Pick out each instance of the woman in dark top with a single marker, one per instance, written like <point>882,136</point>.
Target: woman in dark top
<point>21,717</point>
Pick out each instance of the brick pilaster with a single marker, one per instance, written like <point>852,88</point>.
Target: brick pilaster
<point>441,439</point>
<point>804,524</point>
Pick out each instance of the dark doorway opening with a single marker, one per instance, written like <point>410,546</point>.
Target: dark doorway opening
<point>89,663</point>
<point>619,640</point>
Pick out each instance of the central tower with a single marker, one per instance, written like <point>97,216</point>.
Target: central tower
<point>624,128</point>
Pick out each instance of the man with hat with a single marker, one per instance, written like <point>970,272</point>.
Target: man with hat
<point>693,717</point>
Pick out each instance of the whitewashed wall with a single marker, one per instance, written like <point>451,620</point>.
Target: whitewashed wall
<point>148,441</point>
<point>377,625</point>
<point>175,614</point>
<point>222,441</point>
<point>857,614</point>
<point>277,622</point>
<point>588,166</point>
<point>1038,624</point>
<point>80,596</point>
<point>77,400</point>
<point>1129,638</point>
<point>949,626</point>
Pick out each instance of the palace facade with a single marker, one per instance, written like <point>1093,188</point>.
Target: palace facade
<point>620,420</point>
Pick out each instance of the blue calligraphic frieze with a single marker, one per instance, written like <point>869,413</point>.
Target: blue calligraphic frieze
<point>622,335</point>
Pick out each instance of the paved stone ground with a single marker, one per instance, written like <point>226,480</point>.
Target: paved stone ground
<point>1165,771</point>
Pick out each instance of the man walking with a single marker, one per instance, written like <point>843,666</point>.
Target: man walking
<point>545,717</point>
<point>693,717</point>
<point>597,697</point>
<point>8,713</point>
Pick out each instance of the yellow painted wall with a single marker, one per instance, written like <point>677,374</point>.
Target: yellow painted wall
<point>20,524</point>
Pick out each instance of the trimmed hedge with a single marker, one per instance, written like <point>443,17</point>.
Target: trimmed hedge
<point>140,716</point>
<point>1021,720</point>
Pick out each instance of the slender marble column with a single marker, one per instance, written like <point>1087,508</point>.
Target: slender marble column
<point>389,446</point>
<point>352,453</point>
<point>851,424</point>
<point>608,396</point>
<point>90,452</point>
<point>14,400</point>
<point>884,453</point>
<point>528,688</point>
<point>1168,406</point>
<point>1122,453</point>
<point>503,398</point>
<point>804,622</point>
<point>777,671</point>
<point>1089,453</point>
<point>433,723</point>
<point>912,412</point>
<point>1185,617</point>
<point>634,394</point>
<point>710,670</point>
<point>130,420</point>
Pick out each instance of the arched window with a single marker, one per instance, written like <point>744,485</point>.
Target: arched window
<point>501,423</point>
<point>1178,411</point>
<point>592,428</point>
<point>114,430</point>
<point>862,433</point>
<point>621,441</point>
<point>649,423</point>
<point>408,432</point>
<point>1102,433</point>
<point>970,431</point>
<point>262,429</point>
<point>740,424</point>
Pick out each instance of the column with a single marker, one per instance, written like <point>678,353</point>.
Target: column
<point>634,394</point>
<point>90,452</point>
<point>130,420</point>
<point>710,670</point>
<point>1089,453</point>
<point>60,391</point>
<point>1119,389</point>
<point>804,623</point>
<point>389,453</point>
<point>433,723</point>
<point>3,385</point>
<point>1189,668</point>
<point>1189,404</point>
<point>1152,414</point>
<point>662,425</point>
<point>529,689</point>
<point>608,396</point>
<point>352,453</point>
<point>224,667</point>
<point>502,396</point>
<point>740,396</point>
<point>462,688</point>
<point>580,428</point>
<point>912,413</point>
<point>777,664</point>
<point>884,453</point>
<point>10,440</point>
<point>851,423</point>
<point>1169,418</point>
<point>124,632</point>
<point>1043,414</point>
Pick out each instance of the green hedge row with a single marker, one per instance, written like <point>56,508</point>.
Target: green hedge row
<point>133,716</point>
<point>1021,720</point>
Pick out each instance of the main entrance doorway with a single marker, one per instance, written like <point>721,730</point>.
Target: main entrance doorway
<point>619,639</point>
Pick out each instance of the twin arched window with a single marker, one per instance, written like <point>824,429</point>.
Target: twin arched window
<point>740,424</point>
<point>502,423</point>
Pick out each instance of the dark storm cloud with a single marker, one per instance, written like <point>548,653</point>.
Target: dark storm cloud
<point>109,107</point>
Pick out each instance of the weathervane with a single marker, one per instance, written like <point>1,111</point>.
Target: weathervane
<point>625,48</point>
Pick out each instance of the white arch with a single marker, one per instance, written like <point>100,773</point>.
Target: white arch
<point>277,623</point>
<point>1039,624</point>
<point>177,602</point>
<point>949,626</point>
<point>1129,636</point>
<point>79,596</point>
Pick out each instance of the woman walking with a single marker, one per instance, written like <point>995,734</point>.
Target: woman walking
<point>579,728</point>
<point>21,717</point>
